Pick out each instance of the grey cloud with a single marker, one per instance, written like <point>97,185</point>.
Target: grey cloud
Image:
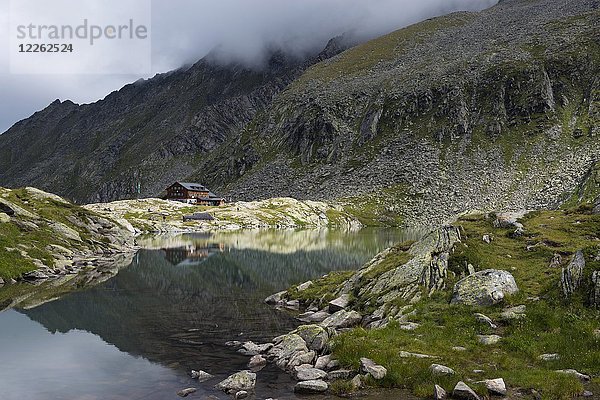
<point>183,31</point>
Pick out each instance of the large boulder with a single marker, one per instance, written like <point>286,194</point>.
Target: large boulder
<point>243,380</point>
<point>484,288</point>
<point>572,274</point>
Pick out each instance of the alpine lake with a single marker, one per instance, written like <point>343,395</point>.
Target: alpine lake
<point>140,332</point>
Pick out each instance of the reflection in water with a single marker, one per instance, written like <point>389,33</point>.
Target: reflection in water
<point>177,305</point>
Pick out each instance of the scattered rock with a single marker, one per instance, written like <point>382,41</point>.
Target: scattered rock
<point>333,364</point>
<point>357,382</point>
<point>462,391</point>
<point>243,380</point>
<point>368,366</point>
<point>302,287</point>
<point>440,370</point>
<point>309,374</point>
<point>487,287</point>
<point>4,218</point>
<point>459,348</point>
<point>513,313</point>
<point>572,274</point>
<point>406,354</point>
<point>276,298</point>
<point>486,320</point>
<point>439,393</point>
<point>495,386</point>
<point>488,339</point>
<point>487,239</point>
<point>292,304</point>
<point>201,375</point>
<point>556,261</point>
<point>341,374</point>
<point>299,358</point>
<point>342,319</point>
<point>257,361</point>
<point>322,362</point>
<point>186,392</point>
<point>587,393</point>
<point>549,357</point>
<point>316,386</point>
<point>339,304</point>
<point>316,317</point>
<point>579,375</point>
<point>409,326</point>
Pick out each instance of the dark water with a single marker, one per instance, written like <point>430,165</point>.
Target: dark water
<point>138,334</point>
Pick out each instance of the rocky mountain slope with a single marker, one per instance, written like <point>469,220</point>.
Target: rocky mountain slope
<point>149,133</point>
<point>492,110</point>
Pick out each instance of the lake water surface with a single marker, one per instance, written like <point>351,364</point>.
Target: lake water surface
<point>138,334</point>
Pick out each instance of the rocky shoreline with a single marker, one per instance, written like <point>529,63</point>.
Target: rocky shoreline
<point>394,296</point>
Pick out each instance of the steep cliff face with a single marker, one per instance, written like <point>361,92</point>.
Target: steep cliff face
<point>149,133</point>
<point>491,110</point>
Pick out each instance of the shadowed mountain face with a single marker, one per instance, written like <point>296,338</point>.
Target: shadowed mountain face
<point>150,132</point>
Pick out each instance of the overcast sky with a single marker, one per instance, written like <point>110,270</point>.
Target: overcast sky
<point>183,31</point>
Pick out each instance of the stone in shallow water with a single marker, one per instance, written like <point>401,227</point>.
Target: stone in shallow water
<point>186,392</point>
<point>243,380</point>
<point>256,362</point>
<point>315,386</point>
<point>201,375</point>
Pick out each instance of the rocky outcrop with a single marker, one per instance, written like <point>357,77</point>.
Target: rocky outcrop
<point>427,268</point>
<point>162,216</point>
<point>572,275</point>
<point>50,238</point>
<point>484,288</point>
